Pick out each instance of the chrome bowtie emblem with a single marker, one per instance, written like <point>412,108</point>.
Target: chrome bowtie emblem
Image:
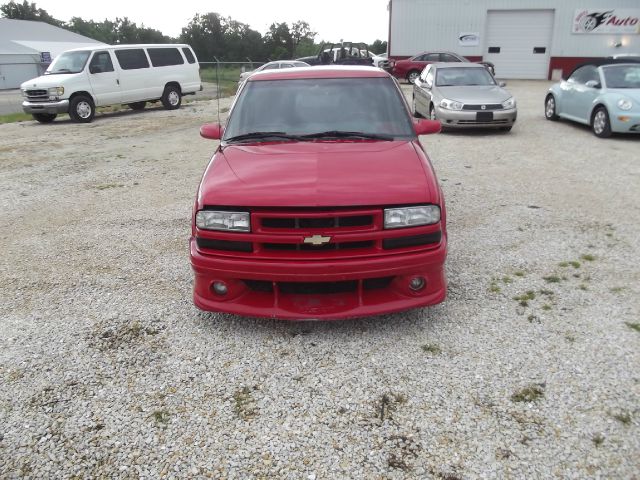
<point>483,107</point>
<point>317,240</point>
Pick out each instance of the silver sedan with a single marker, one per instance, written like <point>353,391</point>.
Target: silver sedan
<point>463,96</point>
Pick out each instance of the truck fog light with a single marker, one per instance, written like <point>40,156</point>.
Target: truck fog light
<point>417,283</point>
<point>220,288</point>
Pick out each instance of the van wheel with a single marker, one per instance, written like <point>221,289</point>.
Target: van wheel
<point>45,117</point>
<point>137,105</point>
<point>82,109</point>
<point>171,98</point>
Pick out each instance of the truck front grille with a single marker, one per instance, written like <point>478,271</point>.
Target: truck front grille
<point>37,95</point>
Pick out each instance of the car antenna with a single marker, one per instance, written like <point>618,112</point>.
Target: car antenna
<point>218,87</point>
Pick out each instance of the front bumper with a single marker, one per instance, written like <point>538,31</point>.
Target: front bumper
<point>61,106</point>
<point>470,118</point>
<point>391,295</point>
<point>625,122</point>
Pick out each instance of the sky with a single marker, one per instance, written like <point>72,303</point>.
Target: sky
<point>350,20</point>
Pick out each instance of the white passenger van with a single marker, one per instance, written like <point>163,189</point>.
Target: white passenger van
<point>82,79</point>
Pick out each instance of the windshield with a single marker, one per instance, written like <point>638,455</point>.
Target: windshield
<point>68,62</point>
<point>622,76</point>
<point>462,76</point>
<point>371,106</point>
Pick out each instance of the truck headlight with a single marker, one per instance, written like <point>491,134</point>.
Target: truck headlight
<point>450,104</point>
<point>625,104</point>
<point>56,91</point>
<point>411,216</point>
<point>509,103</point>
<point>225,221</point>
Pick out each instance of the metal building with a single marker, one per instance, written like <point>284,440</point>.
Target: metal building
<point>27,48</point>
<point>531,39</point>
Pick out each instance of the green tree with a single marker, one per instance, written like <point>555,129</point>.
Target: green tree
<point>378,46</point>
<point>279,41</point>
<point>28,11</point>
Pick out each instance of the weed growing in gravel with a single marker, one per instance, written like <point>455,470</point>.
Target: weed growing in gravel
<point>597,439</point>
<point>524,299</point>
<point>388,404</point>
<point>405,449</point>
<point>546,307</point>
<point>528,394</point>
<point>570,338</point>
<point>15,375</point>
<point>106,186</point>
<point>552,279</point>
<point>244,404</point>
<point>587,257</point>
<point>507,280</point>
<point>623,417</point>
<point>617,289</point>
<point>519,273</point>
<point>121,335</point>
<point>494,287</point>
<point>532,318</point>
<point>633,325</point>
<point>583,286</point>
<point>547,293</point>
<point>161,417</point>
<point>431,348</point>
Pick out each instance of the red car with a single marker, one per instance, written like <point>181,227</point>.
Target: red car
<point>410,68</point>
<point>318,203</point>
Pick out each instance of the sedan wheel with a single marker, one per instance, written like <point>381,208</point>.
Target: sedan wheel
<point>411,77</point>
<point>550,108</point>
<point>601,125</point>
<point>432,113</point>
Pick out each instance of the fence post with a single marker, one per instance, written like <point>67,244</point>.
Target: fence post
<point>217,77</point>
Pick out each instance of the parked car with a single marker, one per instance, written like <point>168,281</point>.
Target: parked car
<point>319,203</point>
<point>463,96</point>
<point>82,79</point>
<point>604,95</point>
<point>380,60</point>
<point>410,68</point>
<point>272,66</point>
<point>344,53</point>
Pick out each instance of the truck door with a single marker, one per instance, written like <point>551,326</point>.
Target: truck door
<point>104,80</point>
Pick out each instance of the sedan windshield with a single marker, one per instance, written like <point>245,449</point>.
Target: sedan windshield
<point>463,76</point>
<point>68,62</point>
<point>306,109</point>
<point>622,76</point>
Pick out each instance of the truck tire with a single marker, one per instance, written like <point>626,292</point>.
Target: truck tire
<point>172,97</point>
<point>45,117</point>
<point>82,109</point>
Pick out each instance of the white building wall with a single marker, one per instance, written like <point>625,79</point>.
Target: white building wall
<point>419,25</point>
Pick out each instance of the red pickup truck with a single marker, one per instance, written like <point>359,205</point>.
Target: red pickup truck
<point>319,203</point>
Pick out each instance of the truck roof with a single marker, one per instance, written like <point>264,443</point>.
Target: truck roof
<point>332,71</point>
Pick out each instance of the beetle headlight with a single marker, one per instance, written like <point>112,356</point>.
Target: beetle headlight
<point>450,104</point>
<point>509,103</point>
<point>56,91</point>
<point>411,216</point>
<point>225,221</point>
<point>625,104</point>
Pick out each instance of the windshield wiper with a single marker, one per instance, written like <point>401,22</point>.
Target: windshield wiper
<point>344,134</point>
<point>262,136</point>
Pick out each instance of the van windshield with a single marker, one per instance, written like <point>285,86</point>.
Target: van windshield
<point>68,62</point>
<point>306,107</point>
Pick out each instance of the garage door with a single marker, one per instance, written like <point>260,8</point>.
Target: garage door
<point>519,42</point>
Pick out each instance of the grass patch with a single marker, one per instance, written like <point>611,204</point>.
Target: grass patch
<point>597,439</point>
<point>563,264</point>
<point>546,307</point>
<point>494,287</point>
<point>570,338</point>
<point>15,117</point>
<point>519,273</point>
<point>633,326</point>
<point>623,417</point>
<point>587,257</point>
<point>617,289</point>
<point>532,393</point>
<point>524,299</point>
<point>552,279</point>
<point>161,417</point>
<point>506,279</point>
<point>244,404</point>
<point>431,348</point>
<point>583,286</point>
<point>575,264</point>
<point>532,318</point>
<point>546,292</point>
<point>106,186</point>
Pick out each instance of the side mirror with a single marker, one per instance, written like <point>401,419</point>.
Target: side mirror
<point>212,131</point>
<point>502,84</point>
<point>425,127</point>
<point>593,84</point>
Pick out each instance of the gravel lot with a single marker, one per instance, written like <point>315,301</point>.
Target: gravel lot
<point>107,369</point>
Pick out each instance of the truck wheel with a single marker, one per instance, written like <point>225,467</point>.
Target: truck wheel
<point>171,98</point>
<point>137,105</point>
<point>82,109</point>
<point>45,117</point>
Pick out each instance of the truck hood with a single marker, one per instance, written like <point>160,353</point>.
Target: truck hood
<point>47,81</point>
<point>318,174</point>
<point>476,94</point>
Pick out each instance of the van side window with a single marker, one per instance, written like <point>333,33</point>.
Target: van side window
<point>132,58</point>
<point>101,62</point>
<point>187,53</point>
<point>161,57</point>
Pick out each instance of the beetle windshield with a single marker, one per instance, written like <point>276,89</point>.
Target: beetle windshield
<point>296,107</point>
<point>622,76</point>
<point>463,76</point>
<point>68,62</point>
